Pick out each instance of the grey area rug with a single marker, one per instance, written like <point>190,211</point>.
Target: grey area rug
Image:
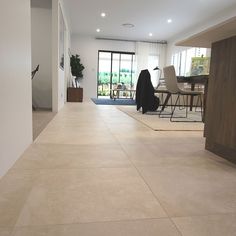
<point>153,121</point>
<point>108,101</point>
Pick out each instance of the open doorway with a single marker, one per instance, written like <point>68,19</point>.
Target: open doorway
<point>41,54</point>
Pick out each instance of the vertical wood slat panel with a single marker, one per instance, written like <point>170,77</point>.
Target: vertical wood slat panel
<point>220,124</point>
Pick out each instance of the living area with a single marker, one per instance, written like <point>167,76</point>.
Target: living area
<point>101,170</point>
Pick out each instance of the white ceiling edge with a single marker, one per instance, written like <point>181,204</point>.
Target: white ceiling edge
<point>218,19</point>
<point>205,38</point>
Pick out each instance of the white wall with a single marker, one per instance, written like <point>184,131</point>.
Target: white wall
<point>172,49</point>
<point>87,47</point>
<point>15,79</point>
<point>41,32</point>
<point>59,76</point>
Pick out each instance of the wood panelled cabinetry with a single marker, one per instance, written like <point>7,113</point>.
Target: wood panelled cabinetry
<point>75,95</point>
<point>220,120</point>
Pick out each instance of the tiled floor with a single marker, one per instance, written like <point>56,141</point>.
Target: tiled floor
<point>40,120</point>
<point>94,171</point>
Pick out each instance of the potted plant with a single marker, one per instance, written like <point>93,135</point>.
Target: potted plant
<point>76,68</point>
<point>75,94</point>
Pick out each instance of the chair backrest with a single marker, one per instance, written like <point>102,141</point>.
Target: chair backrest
<point>171,79</point>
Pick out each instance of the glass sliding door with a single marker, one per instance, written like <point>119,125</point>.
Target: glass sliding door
<point>126,70</point>
<point>114,68</point>
<point>104,74</point>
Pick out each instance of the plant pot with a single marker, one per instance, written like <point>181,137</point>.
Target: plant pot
<point>74,94</point>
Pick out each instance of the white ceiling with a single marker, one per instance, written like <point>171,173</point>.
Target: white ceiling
<point>147,16</point>
<point>205,38</point>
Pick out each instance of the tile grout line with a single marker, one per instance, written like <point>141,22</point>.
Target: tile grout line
<point>91,222</point>
<point>171,220</point>
<point>139,173</point>
<point>132,164</point>
<point>41,169</point>
<point>147,184</point>
<point>24,203</point>
<point>176,227</point>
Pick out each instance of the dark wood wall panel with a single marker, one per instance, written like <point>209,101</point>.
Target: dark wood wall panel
<point>220,122</point>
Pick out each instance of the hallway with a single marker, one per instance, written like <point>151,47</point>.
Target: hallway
<point>94,171</point>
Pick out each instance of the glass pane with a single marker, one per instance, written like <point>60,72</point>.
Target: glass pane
<point>134,75</point>
<point>193,61</point>
<point>182,71</point>
<point>199,62</point>
<point>115,69</point>
<point>125,70</point>
<point>104,73</point>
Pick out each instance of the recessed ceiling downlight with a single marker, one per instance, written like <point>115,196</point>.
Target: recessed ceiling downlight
<point>103,14</point>
<point>128,25</point>
<point>150,34</point>
<point>169,21</point>
<point>98,30</point>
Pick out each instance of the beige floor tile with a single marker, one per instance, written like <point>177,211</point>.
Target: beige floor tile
<point>143,155</point>
<point>179,134</point>
<point>61,125</point>
<point>124,128</point>
<point>135,137</point>
<point>5,231</point>
<point>127,139</point>
<point>214,225</point>
<point>41,118</point>
<point>162,227</point>
<point>74,196</point>
<point>14,189</point>
<point>76,138</point>
<point>81,170</point>
<point>39,156</point>
<point>188,190</point>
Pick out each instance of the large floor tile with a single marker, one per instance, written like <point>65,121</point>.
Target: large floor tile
<point>188,190</point>
<point>135,137</point>
<point>167,147</point>
<point>81,128</point>
<point>153,227</point>
<point>14,190</point>
<point>5,231</point>
<point>214,225</point>
<point>89,195</point>
<point>142,155</point>
<point>96,171</point>
<point>41,118</point>
<point>76,138</point>
<point>44,156</point>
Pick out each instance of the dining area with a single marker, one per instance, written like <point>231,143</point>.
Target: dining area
<point>192,88</point>
<point>180,93</point>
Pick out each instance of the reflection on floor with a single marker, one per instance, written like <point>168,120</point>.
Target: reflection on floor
<point>95,171</point>
<point>40,120</point>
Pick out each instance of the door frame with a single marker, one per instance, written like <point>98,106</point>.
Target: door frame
<point>114,52</point>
